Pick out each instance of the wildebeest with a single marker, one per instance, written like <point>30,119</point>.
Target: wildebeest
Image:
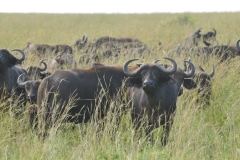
<point>45,50</point>
<point>36,73</point>
<point>9,72</point>
<point>200,80</point>
<point>62,61</point>
<point>153,91</point>
<point>88,87</point>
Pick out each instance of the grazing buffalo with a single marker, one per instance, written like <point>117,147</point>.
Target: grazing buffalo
<point>45,50</point>
<point>222,51</point>
<point>153,90</point>
<point>193,39</point>
<point>62,61</point>
<point>31,89</point>
<point>202,80</point>
<point>30,86</point>
<point>9,72</point>
<point>80,43</point>
<point>36,73</point>
<point>196,39</point>
<point>208,37</point>
<point>77,92</point>
<point>106,47</point>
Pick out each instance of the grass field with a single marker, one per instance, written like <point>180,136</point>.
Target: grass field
<point>198,132</point>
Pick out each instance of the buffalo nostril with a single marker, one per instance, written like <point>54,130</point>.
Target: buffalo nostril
<point>148,83</point>
<point>32,96</point>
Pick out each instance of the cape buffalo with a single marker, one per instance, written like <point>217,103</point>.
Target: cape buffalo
<point>9,72</point>
<point>202,81</point>
<point>31,89</point>
<point>152,90</point>
<point>62,61</point>
<point>209,37</point>
<point>45,50</point>
<point>88,87</point>
<point>221,51</point>
<point>106,46</point>
<point>197,38</point>
<point>35,73</point>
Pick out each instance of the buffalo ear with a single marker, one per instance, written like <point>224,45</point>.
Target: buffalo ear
<point>133,82</point>
<point>189,84</point>
<point>42,75</point>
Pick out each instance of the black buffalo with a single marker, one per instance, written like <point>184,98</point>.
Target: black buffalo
<point>35,73</point>
<point>153,90</point>
<point>106,47</point>
<point>62,61</point>
<point>9,72</point>
<point>209,37</point>
<point>201,80</point>
<point>223,52</point>
<point>87,87</point>
<point>31,89</point>
<point>46,50</point>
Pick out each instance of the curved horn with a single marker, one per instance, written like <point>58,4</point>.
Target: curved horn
<point>45,66</point>
<point>156,61</point>
<point>215,32</point>
<point>125,68</point>
<point>84,40</point>
<point>237,44</point>
<point>85,55</point>
<point>20,82</point>
<point>23,54</point>
<point>199,30</point>
<point>187,74</point>
<point>167,71</point>
<point>213,72</point>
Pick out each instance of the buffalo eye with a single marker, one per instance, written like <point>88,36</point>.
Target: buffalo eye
<point>143,73</point>
<point>156,74</point>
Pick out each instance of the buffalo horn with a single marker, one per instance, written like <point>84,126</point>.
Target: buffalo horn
<point>20,82</point>
<point>156,61</point>
<point>213,71</point>
<point>167,71</point>
<point>215,32</point>
<point>188,74</point>
<point>237,44</point>
<point>23,54</point>
<point>84,40</point>
<point>125,68</point>
<point>45,66</point>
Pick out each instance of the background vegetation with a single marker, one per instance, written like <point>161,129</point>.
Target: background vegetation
<point>199,131</point>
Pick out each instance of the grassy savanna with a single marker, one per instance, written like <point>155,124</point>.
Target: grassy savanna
<point>198,132</point>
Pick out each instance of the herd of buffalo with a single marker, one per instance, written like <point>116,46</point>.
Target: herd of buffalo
<point>150,89</point>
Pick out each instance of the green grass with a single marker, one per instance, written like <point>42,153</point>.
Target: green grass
<point>198,132</point>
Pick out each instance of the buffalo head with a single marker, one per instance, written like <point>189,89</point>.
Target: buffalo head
<point>80,43</point>
<point>209,36</point>
<point>153,90</point>
<point>8,60</point>
<point>36,72</point>
<point>201,80</point>
<point>31,87</point>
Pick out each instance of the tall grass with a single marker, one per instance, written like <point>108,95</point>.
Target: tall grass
<point>200,131</point>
